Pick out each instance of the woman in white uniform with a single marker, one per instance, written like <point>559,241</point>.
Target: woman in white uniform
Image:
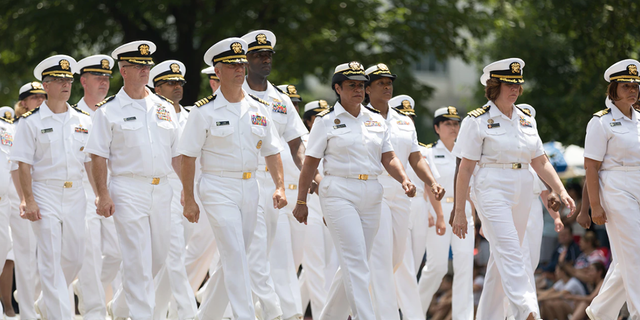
<point>390,241</point>
<point>503,141</point>
<point>612,162</point>
<point>446,123</point>
<point>355,144</point>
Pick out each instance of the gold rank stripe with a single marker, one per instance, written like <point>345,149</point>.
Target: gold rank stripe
<point>507,77</point>
<point>229,58</point>
<point>57,72</point>
<point>260,47</point>
<point>169,76</point>
<point>97,70</point>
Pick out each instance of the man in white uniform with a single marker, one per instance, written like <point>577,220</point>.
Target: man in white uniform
<point>290,128</point>
<point>230,133</point>
<point>137,132</point>
<point>6,143</point>
<point>48,147</point>
<point>167,79</point>
<point>102,254</point>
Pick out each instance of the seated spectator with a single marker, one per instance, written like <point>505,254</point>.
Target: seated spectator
<point>552,304</point>
<point>596,271</point>
<point>566,252</point>
<point>440,308</point>
<point>590,255</point>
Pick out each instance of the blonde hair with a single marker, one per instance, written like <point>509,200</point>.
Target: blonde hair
<point>18,109</point>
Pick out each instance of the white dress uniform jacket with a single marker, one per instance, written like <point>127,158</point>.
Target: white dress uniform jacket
<point>499,144</point>
<point>351,149</point>
<point>6,142</point>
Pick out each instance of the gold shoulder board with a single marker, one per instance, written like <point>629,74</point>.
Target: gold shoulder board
<point>164,98</point>
<point>525,111</point>
<point>372,109</point>
<point>9,121</point>
<point>99,104</point>
<point>74,107</point>
<point>205,100</point>
<point>28,113</point>
<point>602,112</point>
<point>325,112</point>
<point>259,100</point>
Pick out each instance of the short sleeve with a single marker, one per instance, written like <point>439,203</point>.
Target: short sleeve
<point>194,134</point>
<point>539,149</point>
<point>295,127</point>
<point>272,144</point>
<point>317,143</point>
<point>175,139</point>
<point>595,142</point>
<point>386,141</point>
<point>415,147</point>
<point>24,146</point>
<point>558,286</point>
<point>100,136</point>
<point>428,156</point>
<point>471,141</point>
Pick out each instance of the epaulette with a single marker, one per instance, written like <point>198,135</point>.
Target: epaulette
<point>164,98</point>
<point>602,112</point>
<point>9,121</point>
<point>258,99</point>
<point>205,100</point>
<point>372,109</point>
<point>74,107</point>
<point>28,113</point>
<point>478,112</point>
<point>428,146</point>
<point>325,112</point>
<point>99,104</point>
<point>525,111</point>
<point>400,111</point>
<point>278,89</point>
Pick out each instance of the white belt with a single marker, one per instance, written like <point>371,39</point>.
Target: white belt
<point>624,168</point>
<point>61,183</point>
<point>515,165</point>
<point>364,177</point>
<point>232,174</point>
<point>150,180</point>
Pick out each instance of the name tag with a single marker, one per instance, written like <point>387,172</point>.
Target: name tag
<point>47,130</point>
<point>615,124</point>
<point>439,156</point>
<point>130,119</point>
<point>222,123</point>
<point>338,126</point>
<point>493,125</point>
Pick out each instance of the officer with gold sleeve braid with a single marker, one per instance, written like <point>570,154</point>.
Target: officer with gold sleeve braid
<point>49,150</point>
<point>230,133</point>
<point>261,44</point>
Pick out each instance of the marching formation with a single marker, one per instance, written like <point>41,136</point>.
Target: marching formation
<point>240,208</point>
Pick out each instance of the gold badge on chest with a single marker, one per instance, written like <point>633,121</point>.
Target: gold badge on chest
<point>259,145</point>
<point>336,121</point>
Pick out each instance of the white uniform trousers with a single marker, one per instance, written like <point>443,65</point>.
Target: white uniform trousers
<point>231,205</point>
<point>503,201</point>
<point>405,275</point>
<point>352,211</point>
<point>258,256</point>
<point>143,222</point>
<point>101,262</point>
<point>201,248</point>
<point>388,252</point>
<point>612,296</point>
<point>5,238</point>
<point>60,240</point>
<point>284,266</point>
<point>318,248</point>
<point>172,280</point>
<point>24,252</point>
<point>621,202</point>
<point>437,266</point>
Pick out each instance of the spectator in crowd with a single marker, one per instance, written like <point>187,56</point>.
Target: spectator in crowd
<point>553,305</point>
<point>567,251</point>
<point>478,284</point>
<point>596,272</point>
<point>591,254</point>
<point>440,308</point>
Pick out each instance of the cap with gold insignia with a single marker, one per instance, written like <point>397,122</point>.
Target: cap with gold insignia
<point>316,106</point>
<point>229,51</point>
<point>403,103</point>
<point>31,88</point>
<point>291,91</point>
<point>100,65</point>
<point>446,113</point>
<point>211,72</point>
<point>7,113</point>
<point>527,107</point>
<point>170,70</point>
<point>136,52</point>
<point>58,66</point>
<point>378,71</point>
<point>623,71</point>
<point>349,71</point>
<point>506,70</point>
<point>260,40</point>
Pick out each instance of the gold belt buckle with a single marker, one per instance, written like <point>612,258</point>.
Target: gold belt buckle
<point>516,166</point>
<point>155,181</point>
<point>68,184</point>
<point>246,175</point>
<point>364,177</point>
<point>449,200</point>
<point>266,168</point>
<point>293,187</point>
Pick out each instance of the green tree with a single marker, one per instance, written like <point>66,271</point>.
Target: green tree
<point>313,36</point>
<point>566,45</point>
